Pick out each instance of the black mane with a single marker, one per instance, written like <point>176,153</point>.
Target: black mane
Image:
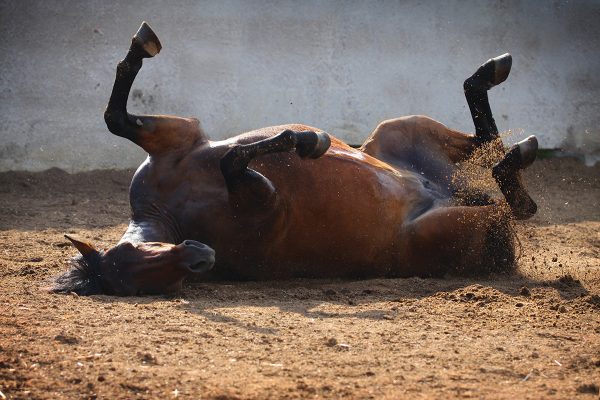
<point>83,278</point>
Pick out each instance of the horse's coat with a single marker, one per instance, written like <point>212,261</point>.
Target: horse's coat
<point>292,201</point>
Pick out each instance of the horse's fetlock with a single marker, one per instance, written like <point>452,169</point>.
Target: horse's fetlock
<point>115,121</point>
<point>289,136</point>
<point>123,67</point>
<point>499,173</point>
<point>129,65</point>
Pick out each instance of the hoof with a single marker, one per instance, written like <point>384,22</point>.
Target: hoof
<point>493,72</point>
<point>520,155</point>
<point>146,40</point>
<point>313,146</point>
<point>527,151</point>
<point>521,204</point>
<point>527,210</point>
<point>507,175</point>
<point>502,65</point>
<point>323,143</point>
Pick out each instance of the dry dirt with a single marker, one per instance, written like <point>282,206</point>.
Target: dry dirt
<point>535,334</point>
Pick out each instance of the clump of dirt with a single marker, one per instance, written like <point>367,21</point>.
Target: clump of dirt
<point>474,175</point>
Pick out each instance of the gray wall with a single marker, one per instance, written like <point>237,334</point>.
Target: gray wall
<point>342,66</point>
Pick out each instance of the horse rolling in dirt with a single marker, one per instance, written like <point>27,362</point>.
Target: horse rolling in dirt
<point>291,201</point>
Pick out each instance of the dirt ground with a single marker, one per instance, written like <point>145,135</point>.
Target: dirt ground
<point>535,334</point>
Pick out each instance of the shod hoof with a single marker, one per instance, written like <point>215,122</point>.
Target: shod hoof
<point>314,146</point>
<point>502,65</point>
<point>323,143</point>
<point>528,151</point>
<point>493,72</point>
<point>527,211</point>
<point>507,175</point>
<point>147,41</point>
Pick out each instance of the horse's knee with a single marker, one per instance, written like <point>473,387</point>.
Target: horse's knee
<point>423,124</point>
<point>391,125</point>
<point>250,193</point>
<point>285,139</point>
<point>409,125</point>
<point>233,163</point>
<point>129,66</point>
<point>115,122</point>
<point>388,138</point>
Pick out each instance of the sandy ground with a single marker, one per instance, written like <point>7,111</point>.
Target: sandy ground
<point>535,334</point>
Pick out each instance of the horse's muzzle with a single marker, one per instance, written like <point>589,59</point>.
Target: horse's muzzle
<point>198,257</point>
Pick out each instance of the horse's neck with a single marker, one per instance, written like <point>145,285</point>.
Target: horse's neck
<point>144,231</point>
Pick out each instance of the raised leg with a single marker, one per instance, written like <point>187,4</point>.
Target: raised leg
<point>400,136</point>
<point>493,72</point>
<point>507,174</point>
<point>430,148</point>
<point>421,144</point>
<point>521,155</point>
<point>144,44</point>
<point>154,133</point>
<point>405,138</point>
<point>249,189</point>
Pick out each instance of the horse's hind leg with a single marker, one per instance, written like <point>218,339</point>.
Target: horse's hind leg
<point>507,174</point>
<point>421,144</point>
<point>417,139</point>
<point>249,189</point>
<point>459,239</point>
<point>507,171</point>
<point>427,146</point>
<point>492,73</point>
<point>397,138</point>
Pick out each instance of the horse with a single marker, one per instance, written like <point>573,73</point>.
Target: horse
<point>293,201</point>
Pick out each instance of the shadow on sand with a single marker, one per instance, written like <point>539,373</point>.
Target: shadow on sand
<point>304,297</point>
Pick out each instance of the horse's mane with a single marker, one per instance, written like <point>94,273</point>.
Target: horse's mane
<point>83,278</point>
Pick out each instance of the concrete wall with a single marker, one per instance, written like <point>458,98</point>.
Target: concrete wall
<point>339,65</point>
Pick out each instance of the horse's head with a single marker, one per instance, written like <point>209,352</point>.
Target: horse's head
<point>130,269</point>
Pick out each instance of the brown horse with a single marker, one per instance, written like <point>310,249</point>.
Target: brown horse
<point>291,201</point>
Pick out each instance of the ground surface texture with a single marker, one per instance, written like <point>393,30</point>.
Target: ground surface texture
<point>535,334</point>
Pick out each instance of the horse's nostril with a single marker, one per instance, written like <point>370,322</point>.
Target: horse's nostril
<point>202,266</point>
<point>193,243</point>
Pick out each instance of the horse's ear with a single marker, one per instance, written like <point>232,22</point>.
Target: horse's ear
<point>86,249</point>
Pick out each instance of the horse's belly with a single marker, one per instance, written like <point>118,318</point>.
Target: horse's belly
<point>344,216</point>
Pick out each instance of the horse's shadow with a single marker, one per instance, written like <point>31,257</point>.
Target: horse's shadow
<point>306,297</point>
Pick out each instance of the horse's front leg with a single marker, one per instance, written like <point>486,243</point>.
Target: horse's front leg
<point>154,133</point>
<point>144,44</point>
<point>251,191</point>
